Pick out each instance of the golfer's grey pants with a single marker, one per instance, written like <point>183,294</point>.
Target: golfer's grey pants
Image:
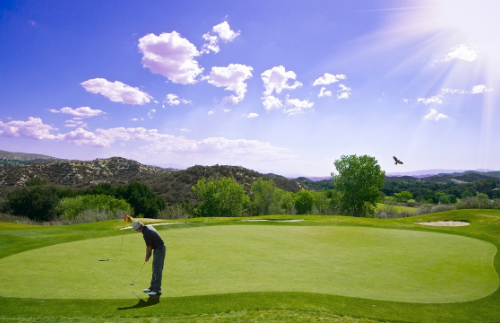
<point>158,261</point>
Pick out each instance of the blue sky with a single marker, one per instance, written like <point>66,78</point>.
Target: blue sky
<point>275,88</point>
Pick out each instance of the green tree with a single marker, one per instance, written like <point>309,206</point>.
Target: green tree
<point>224,197</point>
<point>482,196</point>
<point>142,199</point>
<point>36,181</point>
<point>441,198</point>
<point>287,202</point>
<point>266,197</point>
<point>444,199</point>
<point>304,201</point>
<point>466,194</point>
<point>38,204</point>
<point>321,202</point>
<point>360,180</point>
<point>403,196</point>
<point>334,197</point>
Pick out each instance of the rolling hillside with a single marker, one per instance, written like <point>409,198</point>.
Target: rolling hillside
<point>173,185</point>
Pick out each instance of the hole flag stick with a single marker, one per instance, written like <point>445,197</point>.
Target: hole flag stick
<point>128,218</point>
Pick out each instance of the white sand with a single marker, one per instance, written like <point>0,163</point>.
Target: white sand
<point>445,223</point>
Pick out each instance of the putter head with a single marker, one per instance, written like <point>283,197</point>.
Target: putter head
<point>131,284</point>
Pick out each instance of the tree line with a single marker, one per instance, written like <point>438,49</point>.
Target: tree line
<point>42,203</point>
<point>358,185</point>
<point>434,192</point>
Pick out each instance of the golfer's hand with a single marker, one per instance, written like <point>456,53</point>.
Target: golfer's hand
<point>147,258</point>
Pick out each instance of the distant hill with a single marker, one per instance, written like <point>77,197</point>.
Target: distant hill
<point>432,172</point>
<point>7,158</point>
<point>173,185</point>
<point>456,177</point>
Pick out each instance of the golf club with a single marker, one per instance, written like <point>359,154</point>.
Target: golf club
<point>132,283</point>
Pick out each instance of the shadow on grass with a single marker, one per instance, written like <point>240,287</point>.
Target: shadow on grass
<point>152,300</point>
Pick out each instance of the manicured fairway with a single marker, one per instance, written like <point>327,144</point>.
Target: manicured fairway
<point>372,263</point>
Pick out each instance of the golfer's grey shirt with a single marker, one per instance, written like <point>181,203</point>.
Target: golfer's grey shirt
<point>151,237</point>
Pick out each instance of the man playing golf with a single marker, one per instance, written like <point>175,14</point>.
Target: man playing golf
<point>155,245</point>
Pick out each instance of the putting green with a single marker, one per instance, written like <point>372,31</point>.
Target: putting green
<point>382,264</point>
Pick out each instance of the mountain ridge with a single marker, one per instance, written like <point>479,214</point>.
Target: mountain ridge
<point>173,185</point>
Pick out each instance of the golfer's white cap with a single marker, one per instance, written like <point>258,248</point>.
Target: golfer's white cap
<point>136,225</point>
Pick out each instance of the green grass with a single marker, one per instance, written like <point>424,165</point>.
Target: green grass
<point>382,264</point>
<point>207,286</point>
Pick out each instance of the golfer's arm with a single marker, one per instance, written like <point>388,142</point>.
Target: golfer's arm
<point>148,252</point>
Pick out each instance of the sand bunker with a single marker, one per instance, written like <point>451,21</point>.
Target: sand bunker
<point>273,220</point>
<point>445,223</point>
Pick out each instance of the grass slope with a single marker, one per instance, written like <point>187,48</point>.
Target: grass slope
<point>248,306</point>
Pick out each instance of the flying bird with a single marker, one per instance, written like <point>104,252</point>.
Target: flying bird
<point>397,160</point>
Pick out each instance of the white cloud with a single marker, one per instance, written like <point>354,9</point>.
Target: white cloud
<point>476,89</point>
<point>405,100</point>
<point>232,78</point>
<point>154,142</point>
<point>117,91</point>
<point>151,113</point>
<point>344,92</point>
<point>173,99</point>
<point>463,52</point>
<point>323,92</point>
<point>328,79</point>
<point>276,79</point>
<point>185,130</point>
<point>83,112</point>
<point>135,119</point>
<point>34,128</point>
<point>480,89</point>
<point>271,103</point>
<point>250,115</point>
<point>435,99</point>
<point>83,137</point>
<point>435,116</point>
<point>75,122</point>
<point>222,32</point>
<point>211,112</point>
<point>297,106</point>
<point>343,95</point>
<point>172,56</point>
<point>452,91</point>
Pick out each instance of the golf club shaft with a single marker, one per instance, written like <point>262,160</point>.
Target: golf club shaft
<point>138,272</point>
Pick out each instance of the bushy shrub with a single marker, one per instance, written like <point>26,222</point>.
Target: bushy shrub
<point>38,204</point>
<point>224,197</point>
<point>142,199</point>
<point>304,201</point>
<point>478,203</point>
<point>36,181</point>
<point>174,212</point>
<point>71,208</point>
<point>387,212</point>
<point>432,208</point>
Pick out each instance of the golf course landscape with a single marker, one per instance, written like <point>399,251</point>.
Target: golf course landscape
<point>321,268</point>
